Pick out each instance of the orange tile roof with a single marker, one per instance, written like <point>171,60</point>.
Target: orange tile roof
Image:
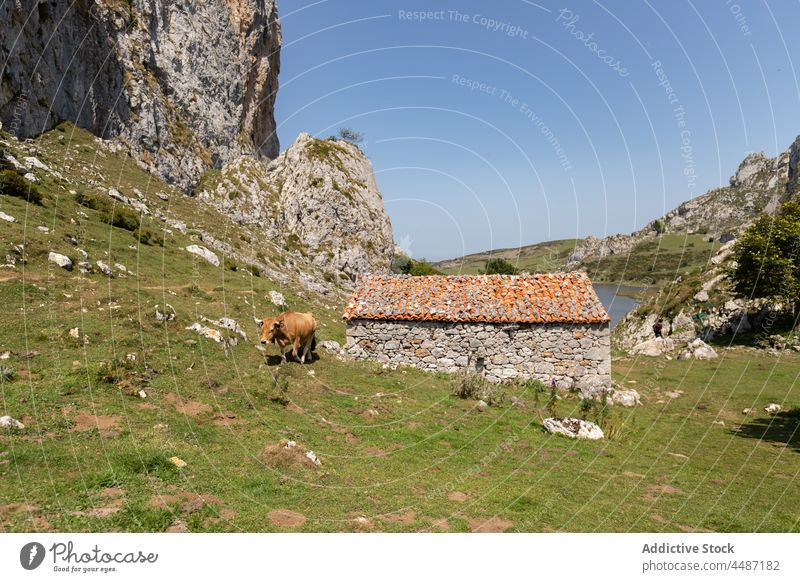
<point>539,298</point>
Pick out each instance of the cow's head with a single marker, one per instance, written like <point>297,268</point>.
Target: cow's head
<point>270,328</point>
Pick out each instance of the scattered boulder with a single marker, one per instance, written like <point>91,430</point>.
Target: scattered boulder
<point>85,267</point>
<point>31,178</point>
<point>773,408</point>
<point>75,333</point>
<point>653,347</point>
<point>62,261</point>
<point>277,298</point>
<point>105,269</point>
<point>212,334</point>
<point>701,296</point>
<point>168,315</point>
<point>7,217</point>
<point>331,346</point>
<point>204,253</point>
<point>573,428</point>
<point>627,398</point>
<point>482,406</point>
<point>699,350</point>
<point>10,423</point>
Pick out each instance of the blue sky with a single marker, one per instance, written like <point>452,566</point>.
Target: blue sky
<point>502,124</point>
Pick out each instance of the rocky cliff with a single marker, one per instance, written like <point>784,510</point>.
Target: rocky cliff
<point>318,198</point>
<point>759,185</point>
<point>183,85</point>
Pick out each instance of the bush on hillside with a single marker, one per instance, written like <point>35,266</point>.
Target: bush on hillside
<point>12,184</point>
<point>472,386</point>
<point>499,267</point>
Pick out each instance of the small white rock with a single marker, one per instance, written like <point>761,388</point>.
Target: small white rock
<point>10,423</point>
<point>62,261</point>
<point>7,217</point>
<point>773,408</point>
<point>204,253</point>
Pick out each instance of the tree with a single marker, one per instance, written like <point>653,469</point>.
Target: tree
<point>658,226</point>
<point>499,267</point>
<point>767,258</point>
<point>350,135</point>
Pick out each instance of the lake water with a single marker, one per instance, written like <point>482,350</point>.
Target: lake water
<point>616,305</point>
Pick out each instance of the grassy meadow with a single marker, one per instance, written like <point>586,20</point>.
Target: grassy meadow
<point>397,451</point>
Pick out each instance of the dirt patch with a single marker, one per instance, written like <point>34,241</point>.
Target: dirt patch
<point>406,518</point>
<point>187,407</point>
<point>14,508</point>
<point>689,529</point>
<point>286,518</point>
<point>656,491</point>
<point>351,438</point>
<point>87,421</point>
<point>145,406</point>
<point>224,419</point>
<point>178,526</point>
<point>362,523</point>
<point>491,525</point>
<point>107,502</point>
<point>189,502</point>
<point>374,452</point>
<point>657,518</point>
<point>440,524</point>
<point>224,516</point>
<point>457,496</point>
<point>286,454</point>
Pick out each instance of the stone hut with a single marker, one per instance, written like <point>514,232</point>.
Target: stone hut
<point>547,326</point>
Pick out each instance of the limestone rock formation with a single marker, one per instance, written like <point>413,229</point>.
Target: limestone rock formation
<point>573,428</point>
<point>184,85</point>
<point>759,185</point>
<point>319,197</point>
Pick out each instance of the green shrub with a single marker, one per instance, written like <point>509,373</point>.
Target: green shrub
<point>499,267</point>
<point>472,386</point>
<point>149,237</point>
<point>122,217</point>
<point>12,184</point>
<point>230,264</point>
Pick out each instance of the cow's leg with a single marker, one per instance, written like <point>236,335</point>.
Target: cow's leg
<point>281,348</point>
<point>295,348</point>
<point>307,347</point>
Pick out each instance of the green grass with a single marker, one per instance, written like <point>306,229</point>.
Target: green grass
<point>655,262</point>
<point>538,258</point>
<point>393,443</point>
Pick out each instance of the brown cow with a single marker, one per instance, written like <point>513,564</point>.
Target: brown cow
<point>292,328</point>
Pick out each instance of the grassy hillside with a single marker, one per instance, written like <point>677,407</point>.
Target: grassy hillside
<point>398,452</point>
<point>659,261</point>
<point>655,262</point>
<point>538,258</point>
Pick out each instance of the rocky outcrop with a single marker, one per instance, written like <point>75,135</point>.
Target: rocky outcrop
<point>759,185</point>
<point>319,198</point>
<point>184,85</point>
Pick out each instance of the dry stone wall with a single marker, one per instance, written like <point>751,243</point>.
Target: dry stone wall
<point>575,356</point>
